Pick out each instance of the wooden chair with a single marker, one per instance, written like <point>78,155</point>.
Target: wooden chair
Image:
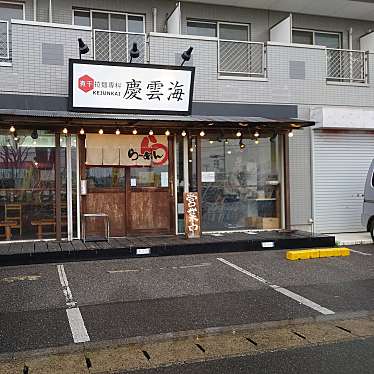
<point>13,213</point>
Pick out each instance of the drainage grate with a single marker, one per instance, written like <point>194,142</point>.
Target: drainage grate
<point>299,335</point>
<point>146,355</point>
<point>344,329</point>
<point>252,341</point>
<point>88,363</point>
<point>200,347</point>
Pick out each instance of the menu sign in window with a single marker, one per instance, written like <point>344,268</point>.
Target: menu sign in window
<point>192,224</point>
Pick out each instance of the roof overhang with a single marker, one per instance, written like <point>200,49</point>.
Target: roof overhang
<point>352,9</point>
<point>57,119</point>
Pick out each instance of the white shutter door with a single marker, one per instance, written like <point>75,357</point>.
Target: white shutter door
<point>341,162</point>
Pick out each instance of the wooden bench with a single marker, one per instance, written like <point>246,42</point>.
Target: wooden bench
<point>8,225</point>
<point>40,223</point>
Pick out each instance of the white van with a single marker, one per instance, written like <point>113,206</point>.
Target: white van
<point>367,217</point>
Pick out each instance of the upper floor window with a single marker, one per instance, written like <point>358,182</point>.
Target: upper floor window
<point>8,11</point>
<point>311,37</point>
<point>222,30</point>
<point>112,21</point>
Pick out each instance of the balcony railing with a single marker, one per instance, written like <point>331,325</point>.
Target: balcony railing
<point>348,66</point>
<point>116,45</point>
<point>4,40</point>
<point>241,58</point>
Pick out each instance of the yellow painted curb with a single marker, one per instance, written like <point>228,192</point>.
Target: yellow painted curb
<point>306,254</point>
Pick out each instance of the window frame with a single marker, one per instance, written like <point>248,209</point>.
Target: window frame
<point>313,32</point>
<point>217,25</point>
<point>16,3</point>
<point>109,12</point>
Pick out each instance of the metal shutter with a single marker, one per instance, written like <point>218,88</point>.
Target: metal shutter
<point>341,162</point>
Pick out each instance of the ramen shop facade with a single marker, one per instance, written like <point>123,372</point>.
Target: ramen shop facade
<point>128,147</point>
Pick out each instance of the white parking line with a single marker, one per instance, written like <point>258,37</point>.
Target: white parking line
<point>77,326</point>
<point>300,299</point>
<point>361,253</point>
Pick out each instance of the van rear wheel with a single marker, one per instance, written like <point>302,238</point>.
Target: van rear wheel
<point>372,230</point>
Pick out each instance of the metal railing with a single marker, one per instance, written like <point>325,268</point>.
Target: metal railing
<point>4,40</point>
<point>344,65</point>
<point>116,45</point>
<point>241,58</point>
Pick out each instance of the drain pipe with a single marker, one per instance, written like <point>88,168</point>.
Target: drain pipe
<point>154,13</point>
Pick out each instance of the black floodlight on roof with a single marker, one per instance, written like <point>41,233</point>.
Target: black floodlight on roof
<point>83,48</point>
<point>186,55</point>
<point>134,51</point>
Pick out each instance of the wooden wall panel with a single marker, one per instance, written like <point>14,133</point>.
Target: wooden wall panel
<point>150,210</point>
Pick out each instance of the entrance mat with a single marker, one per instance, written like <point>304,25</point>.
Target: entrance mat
<point>50,251</point>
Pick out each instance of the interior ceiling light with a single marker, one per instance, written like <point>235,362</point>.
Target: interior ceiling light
<point>202,133</point>
<point>290,134</point>
<point>101,131</point>
<point>118,132</point>
<point>65,130</point>
<point>226,141</point>
<point>167,132</point>
<point>12,129</point>
<point>184,133</point>
<point>256,134</point>
<point>238,134</point>
<point>211,141</point>
<point>150,132</point>
<point>241,144</point>
<point>257,141</point>
<point>81,131</point>
<point>135,131</point>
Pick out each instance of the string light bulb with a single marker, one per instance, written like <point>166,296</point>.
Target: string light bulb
<point>150,132</point>
<point>12,129</point>
<point>65,130</point>
<point>167,132</point>
<point>202,133</point>
<point>238,134</point>
<point>135,131</point>
<point>81,131</point>
<point>290,134</point>
<point>257,141</point>
<point>101,131</point>
<point>184,133</point>
<point>191,149</point>
<point>256,134</point>
<point>118,132</point>
<point>211,141</point>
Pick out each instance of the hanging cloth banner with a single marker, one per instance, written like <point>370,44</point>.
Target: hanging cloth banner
<point>127,150</point>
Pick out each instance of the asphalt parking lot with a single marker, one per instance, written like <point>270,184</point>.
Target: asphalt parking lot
<point>52,305</point>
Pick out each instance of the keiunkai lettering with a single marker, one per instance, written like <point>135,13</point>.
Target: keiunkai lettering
<point>106,93</point>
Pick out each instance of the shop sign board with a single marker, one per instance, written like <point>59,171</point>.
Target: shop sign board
<point>127,150</point>
<point>100,86</point>
<point>192,223</point>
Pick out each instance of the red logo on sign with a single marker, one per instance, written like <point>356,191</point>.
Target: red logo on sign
<point>149,144</point>
<point>86,83</point>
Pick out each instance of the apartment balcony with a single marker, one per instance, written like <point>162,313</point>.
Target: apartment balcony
<point>34,56</point>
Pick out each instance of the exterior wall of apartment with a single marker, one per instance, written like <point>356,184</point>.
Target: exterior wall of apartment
<point>262,20</point>
<point>62,11</point>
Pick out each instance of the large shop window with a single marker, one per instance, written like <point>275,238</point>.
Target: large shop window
<point>27,185</point>
<point>240,187</point>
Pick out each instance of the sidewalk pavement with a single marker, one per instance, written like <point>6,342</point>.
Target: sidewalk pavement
<point>353,238</point>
